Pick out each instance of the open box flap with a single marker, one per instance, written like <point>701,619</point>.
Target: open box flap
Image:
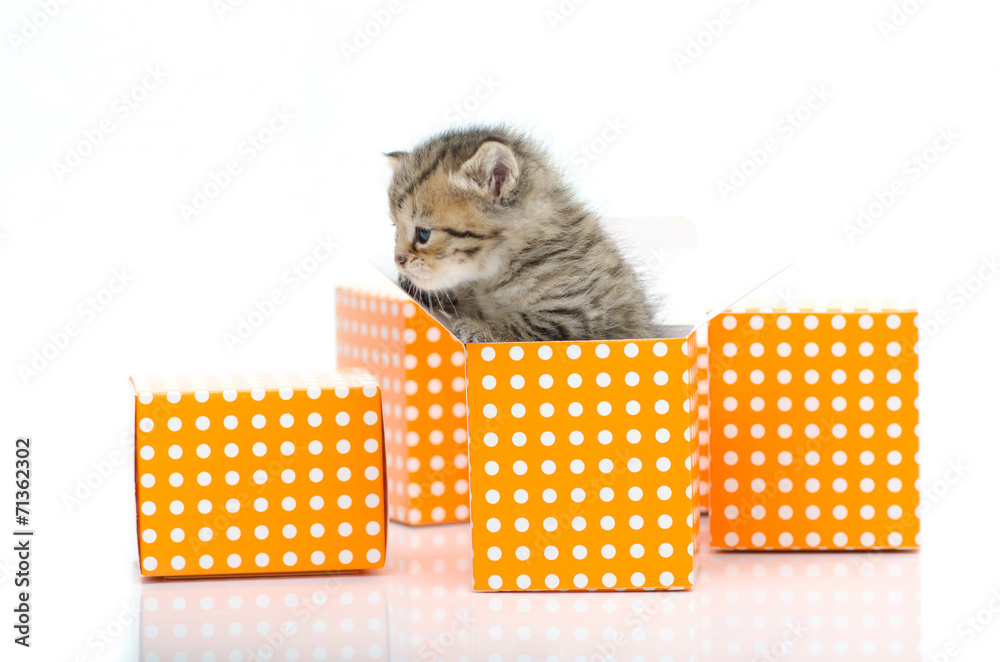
<point>664,253</point>
<point>822,283</point>
<point>736,298</point>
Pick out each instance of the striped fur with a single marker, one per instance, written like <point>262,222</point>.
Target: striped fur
<point>511,254</point>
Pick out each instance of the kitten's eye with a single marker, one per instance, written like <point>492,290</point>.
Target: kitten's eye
<point>423,235</point>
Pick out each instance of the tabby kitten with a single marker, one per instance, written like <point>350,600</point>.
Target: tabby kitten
<point>487,230</point>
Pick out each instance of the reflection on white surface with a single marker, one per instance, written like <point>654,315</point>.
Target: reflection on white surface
<point>746,606</point>
<point>812,606</point>
<point>234,620</point>
<point>428,578</point>
<point>635,626</point>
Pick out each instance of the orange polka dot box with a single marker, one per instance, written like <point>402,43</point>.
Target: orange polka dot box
<point>814,429</point>
<point>584,464</point>
<point>582,459</point>
<point>421,368</point>
<point>259,474</point>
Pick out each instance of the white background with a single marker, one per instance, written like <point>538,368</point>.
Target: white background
<point>676,130</point>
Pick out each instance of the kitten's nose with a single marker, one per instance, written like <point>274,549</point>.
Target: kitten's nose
<point>401,260</point>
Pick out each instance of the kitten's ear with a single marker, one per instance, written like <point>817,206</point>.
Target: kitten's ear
<point>395,159</point>
<point>492,171</point>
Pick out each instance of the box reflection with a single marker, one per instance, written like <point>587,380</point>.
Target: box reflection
<point>304,618</point>
<point>809,606</point>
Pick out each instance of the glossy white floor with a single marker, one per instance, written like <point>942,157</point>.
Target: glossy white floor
<point>746,606</point>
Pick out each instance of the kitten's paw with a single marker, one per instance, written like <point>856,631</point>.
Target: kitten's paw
<point>471,330</point>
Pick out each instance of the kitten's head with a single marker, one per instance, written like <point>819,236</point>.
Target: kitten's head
<point>455,201</point>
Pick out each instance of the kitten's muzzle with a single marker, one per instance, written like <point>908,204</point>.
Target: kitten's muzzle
<point>401,259</point>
